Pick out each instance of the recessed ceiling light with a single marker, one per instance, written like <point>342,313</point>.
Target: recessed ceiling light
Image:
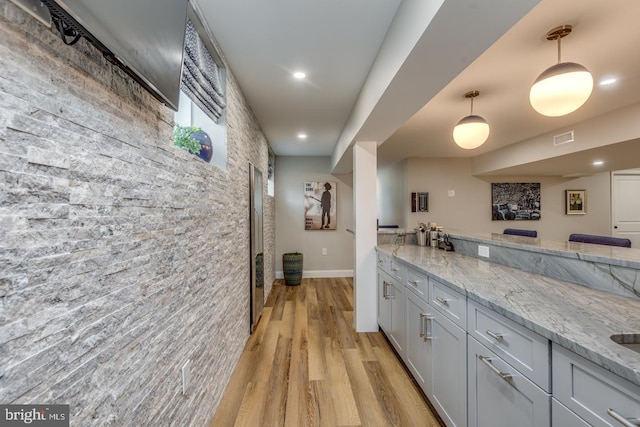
<point>299,75</point>
<point>302,135</point>
<point>607,82</point>
<point>598,163</point>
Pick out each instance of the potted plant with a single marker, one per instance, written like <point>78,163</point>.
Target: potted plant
<point>193,139</point>
<point>292,268</point>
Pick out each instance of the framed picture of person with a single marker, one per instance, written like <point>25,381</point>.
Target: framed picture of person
<point>320,205</point>
<point>576,202</point>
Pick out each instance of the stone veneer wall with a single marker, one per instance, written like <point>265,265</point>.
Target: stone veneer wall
<point>121,256</point>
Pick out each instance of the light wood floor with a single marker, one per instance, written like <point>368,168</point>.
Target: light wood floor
<point>305,366</point>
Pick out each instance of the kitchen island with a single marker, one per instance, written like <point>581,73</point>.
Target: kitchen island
<point>570,316</point>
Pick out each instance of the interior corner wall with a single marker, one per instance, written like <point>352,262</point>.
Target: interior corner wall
<point>470,208</point>
<point>122,257</point>
<point>392,188</point>
<point>290,175</point>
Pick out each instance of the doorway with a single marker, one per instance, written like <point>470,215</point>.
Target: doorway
<point>625,205</point>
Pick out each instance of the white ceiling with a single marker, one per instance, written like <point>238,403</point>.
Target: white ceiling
<point>413,114</point>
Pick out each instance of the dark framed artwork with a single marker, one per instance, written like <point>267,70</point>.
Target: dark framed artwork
<point>419,202</point>
<point>515,201</point>
<point>320,205</point>
<point>575,202</point>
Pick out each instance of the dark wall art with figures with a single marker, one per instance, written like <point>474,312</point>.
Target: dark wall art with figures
<point>515,201</point>
<point>320,205</point>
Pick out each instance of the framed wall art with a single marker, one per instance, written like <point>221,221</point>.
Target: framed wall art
<point>320,205</point>
<point>575,202</point>
<point>515,201</point>
<point>419,202</point>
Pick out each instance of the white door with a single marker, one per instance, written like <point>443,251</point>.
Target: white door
<point>625,205</point>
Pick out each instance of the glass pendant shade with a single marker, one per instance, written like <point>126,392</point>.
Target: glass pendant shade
<point>561,89</point>
<point>471,132</point>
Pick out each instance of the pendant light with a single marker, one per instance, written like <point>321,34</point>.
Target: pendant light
<point>471,131</point>
<point>562,88</point>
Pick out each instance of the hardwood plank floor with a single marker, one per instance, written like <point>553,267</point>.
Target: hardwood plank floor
<point>304,365</point>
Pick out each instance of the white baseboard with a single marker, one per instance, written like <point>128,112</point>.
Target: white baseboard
<point>308,274</point>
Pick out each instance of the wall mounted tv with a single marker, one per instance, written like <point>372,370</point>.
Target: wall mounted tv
<point>143,37</point>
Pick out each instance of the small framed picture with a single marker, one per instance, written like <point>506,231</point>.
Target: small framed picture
<point>576,202</point>
<point>419,202</point>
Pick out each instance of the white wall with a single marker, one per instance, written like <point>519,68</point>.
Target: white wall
<point>470,208</point>
<point>392,182</point>
<point>290,176</point>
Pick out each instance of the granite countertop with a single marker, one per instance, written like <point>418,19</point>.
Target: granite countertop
<point>624,257</point>
<point>576,317</point>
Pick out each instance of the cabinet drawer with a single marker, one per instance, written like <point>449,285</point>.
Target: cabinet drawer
<point>449,302</point>
<point>383,262</point>
<point>593,392</point>
<point>397,270</point>
<point>418,283</point>
<point>523,349</point>
<point>562,417</point>
<point>499,396</point>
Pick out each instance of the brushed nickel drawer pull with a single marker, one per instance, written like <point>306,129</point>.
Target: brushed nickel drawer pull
<point>413,282</point>
<point>385,294</point>
<point>627,422</point>
<point>443,301</point>
<point>495,335</point>
<point>487,361</point>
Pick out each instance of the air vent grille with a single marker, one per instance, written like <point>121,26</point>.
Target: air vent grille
<point>563,138</point>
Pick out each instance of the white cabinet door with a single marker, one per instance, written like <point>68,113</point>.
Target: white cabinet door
<point>398,319</point>
<point>449,356</point>
<point>598,396</point>
<point>499,396</point>
<point>562,417</point>
<point>384,303</point>
<point>418,349</point>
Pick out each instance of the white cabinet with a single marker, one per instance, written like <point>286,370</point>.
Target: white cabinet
<point>522,348</point>
<point>391,311</point>
<point>398,328</point>
<point>449,376</point>
<point>500,396</point>
<point>418,283</point>
<point>384,303</point>
<point>451,303</point>
<point>418,350</point>
<point>562,417</point>
<point>596,395</point>
<point>436,356</point>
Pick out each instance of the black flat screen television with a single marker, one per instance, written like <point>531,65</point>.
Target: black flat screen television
<point>143,37</point>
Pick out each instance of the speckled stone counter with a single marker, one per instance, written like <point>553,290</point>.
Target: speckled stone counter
<point>576,317</point>
<point>608,268</point>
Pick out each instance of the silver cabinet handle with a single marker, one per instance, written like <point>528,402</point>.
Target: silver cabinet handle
<point>424,319</point>
<point>627,422</point>
<point>395,269</point>
<point>385,295</point>
<point>413,282</point>
<point>487,361</point>
<point>495,335</point>
<point>443,301</point>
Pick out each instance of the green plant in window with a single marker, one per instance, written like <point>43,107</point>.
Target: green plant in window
<point>182,138</point>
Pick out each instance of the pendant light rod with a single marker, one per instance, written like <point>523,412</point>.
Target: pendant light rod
<point>557,34</point>
<point>471,94</point>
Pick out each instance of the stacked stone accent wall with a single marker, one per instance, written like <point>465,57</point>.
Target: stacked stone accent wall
<point>121,256</point>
